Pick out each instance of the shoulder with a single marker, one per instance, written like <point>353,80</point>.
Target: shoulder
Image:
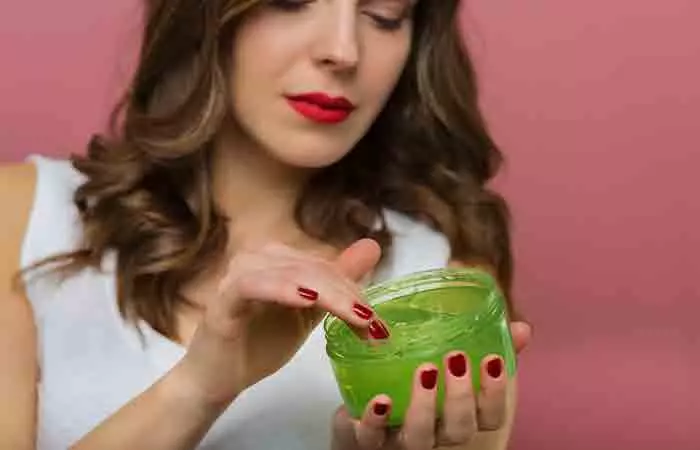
<point>17,389</point>
<point>17,190</point>
<point>39,215</point>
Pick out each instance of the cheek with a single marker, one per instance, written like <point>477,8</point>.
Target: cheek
<point>245,67</point>
<point>384,71</point>
<point>386,57</point>
<point>258,56</point>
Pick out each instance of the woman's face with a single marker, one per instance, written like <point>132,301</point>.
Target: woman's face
<point>308,77</point>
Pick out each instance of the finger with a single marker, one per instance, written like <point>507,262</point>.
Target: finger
<point>284,252</point>
<point>355,262</point>
<point>344,437</point>
<point>294,280</point>
<point>295,284</point>
<point>371,430</point>
<point>458,425</point>
<point>326,292</point>
<point>352,264</point>
<point>331,296</point>
<point>359,259</point>
<point>418,432</point>
<point>267,286</point>
<point>327,289</point>
<point>491,401</point>
<point>522,335</point>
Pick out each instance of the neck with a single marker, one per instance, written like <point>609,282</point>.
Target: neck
<point>257,193</point>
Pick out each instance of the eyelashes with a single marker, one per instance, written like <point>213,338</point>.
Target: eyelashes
<point>385,23</point>
<point>289,5</point>
<point>381,21</point>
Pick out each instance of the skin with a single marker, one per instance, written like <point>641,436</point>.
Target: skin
<point>249,317</point>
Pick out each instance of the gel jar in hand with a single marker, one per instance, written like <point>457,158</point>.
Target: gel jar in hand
<point>430,314</point>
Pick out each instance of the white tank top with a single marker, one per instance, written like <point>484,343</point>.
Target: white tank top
<point>92,362</point>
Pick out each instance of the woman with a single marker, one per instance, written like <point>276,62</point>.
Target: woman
<point>269,159</point>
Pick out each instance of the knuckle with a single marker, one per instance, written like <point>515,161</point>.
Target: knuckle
<point>488,426</point>
<point>490,421</point>
<point>457,435</point>
<point>411,441</point>
<point>464,408</point>
<point>370,439</point>
<point>340,417</point>
<point>318,267</point>
<point>418,437</point>
<point>293,272</point>
<point>459,427</point>
<point>491,413</point>
<point>449,441</point>
<point>461,391</point>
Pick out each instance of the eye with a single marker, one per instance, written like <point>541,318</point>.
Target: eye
<point>390,15</point>
<point>288,5</point>
<point>387,23</point>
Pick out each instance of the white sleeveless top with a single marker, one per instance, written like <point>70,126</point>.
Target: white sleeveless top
<point>92,362</point>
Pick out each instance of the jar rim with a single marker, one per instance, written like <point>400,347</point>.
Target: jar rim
<point>424,281</point>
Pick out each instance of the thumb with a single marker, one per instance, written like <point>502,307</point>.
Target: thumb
<point>359,258</point>
<point>522,335</point>
<point>344,436</point>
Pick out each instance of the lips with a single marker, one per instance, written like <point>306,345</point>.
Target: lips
<point>321,107</point>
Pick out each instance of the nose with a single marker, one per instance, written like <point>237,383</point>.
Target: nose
<point>337,45</point>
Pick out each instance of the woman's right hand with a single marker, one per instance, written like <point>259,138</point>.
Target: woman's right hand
<point>267,303</point>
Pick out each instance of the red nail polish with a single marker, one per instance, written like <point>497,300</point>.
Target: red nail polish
<point>377,330</point>
<point>457,365</point>
<point>308,294</point>
<point>428,379</point>
<point>362,311</point>
<point>381,409</point>
<point>495,368</point>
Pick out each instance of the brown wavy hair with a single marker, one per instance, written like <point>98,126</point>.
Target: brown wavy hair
<point>147,193</point>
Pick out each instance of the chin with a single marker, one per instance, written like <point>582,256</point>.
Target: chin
<point>305,158</point>
<point>310,153</point>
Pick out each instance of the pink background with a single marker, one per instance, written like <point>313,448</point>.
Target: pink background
<point>597,104</point>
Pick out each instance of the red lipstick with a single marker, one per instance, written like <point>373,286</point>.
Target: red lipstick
<point>321,107</point>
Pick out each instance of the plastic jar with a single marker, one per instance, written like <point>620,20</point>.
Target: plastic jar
<point>429,314</point>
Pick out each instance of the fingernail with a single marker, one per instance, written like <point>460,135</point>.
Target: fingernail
<point>495,367</point>
<point>362,311</point>
<point>381,409</point>
<point>307,293</point>
<point>428,379</point>
<point>457,365</point>
<point>377,330</point>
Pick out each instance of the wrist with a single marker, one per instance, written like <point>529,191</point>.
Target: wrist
<point>184,386</point>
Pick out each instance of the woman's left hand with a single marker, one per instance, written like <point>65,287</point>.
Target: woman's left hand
<point>464,412</point>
